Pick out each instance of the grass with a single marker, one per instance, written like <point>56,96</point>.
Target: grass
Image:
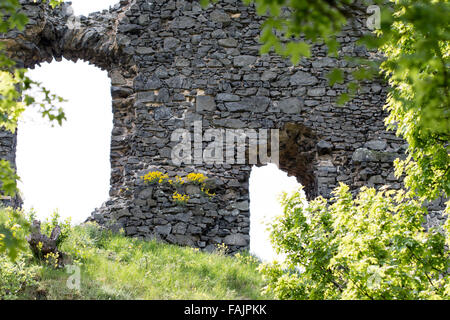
<point>116,267</point>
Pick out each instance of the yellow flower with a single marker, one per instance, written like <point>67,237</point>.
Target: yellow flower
<point>180,198</point>
<point>197,178</point>
<point>179,180</point>
<point>155,176</point>
<point>207,192</point>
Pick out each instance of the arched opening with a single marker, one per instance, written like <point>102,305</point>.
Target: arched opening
<point>68,167</point>
<point>298,154</point>
<point>266,185</point>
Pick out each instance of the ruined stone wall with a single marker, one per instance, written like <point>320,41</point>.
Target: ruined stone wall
<point>172,63</point>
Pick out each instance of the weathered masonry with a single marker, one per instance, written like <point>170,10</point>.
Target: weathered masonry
<point>172,63</point>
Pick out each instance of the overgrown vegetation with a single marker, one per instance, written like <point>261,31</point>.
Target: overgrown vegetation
<point>372,246</point>
<point>113,266</point>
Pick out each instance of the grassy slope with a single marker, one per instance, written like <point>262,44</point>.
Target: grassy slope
<point>116,267</point>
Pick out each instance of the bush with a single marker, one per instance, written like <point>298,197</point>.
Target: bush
<point>16,276</point>
<point>55,220</point>
<point>370,247</point>
<point>13,229</point>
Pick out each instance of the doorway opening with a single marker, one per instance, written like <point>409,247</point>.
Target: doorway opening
<point>266,185</point>
<point>67,167</point>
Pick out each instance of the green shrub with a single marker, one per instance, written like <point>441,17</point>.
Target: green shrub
<point>55,220</point>
<point>370,247</point>
<point>16,276</point>
<point>13,229</point>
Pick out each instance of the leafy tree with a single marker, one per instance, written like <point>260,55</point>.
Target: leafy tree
<point>15,88</point>
<point>13,228</point>
<point>417,51</point>
<point>369,247</point>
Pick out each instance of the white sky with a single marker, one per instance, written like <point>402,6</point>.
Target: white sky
<point>67,168</point>
<point>266,185</point>
<point>85,7</point>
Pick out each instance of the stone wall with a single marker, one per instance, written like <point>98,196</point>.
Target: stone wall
<point>172,63</point>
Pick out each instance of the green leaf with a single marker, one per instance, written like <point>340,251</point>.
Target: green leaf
<point>343,99</point>
<point>336,76</point>
<point>297,50</point>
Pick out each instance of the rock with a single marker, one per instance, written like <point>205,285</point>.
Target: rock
<point>228,43</point>
<point>230,123</point>
<point>130,231</point>
<point>144,50</point>
<point>194,229</point>
<point>153,83</point>
<point>121,213</point>
<point>146,194</point>
<point>171,43</point>
<point>364,154</point>
<point>220,16</point>
<point>184,217</point>
<point>316,92</point>
<point>181,239</point>
<point>324,147</point>
<point>269,75</point>
<point>192,189</point>
<point>260,104</point>
<point>376,88</point>
<point>210,248</point>
<point>120,92</point>
<point>376,145</point>
<point>290,105</point>
<point>242,206</point>
<point>176,82</point>
<point>391,177</point>
<point>376,180</point>
<point>227,97</point>
<point>342,177</point>
<point>143,229</point>
<point>182,62</point>
<point>145,97</point>
<point>163,230</point>
<point>205,103</point>
<point>180,228</point>
<point>213,183</point>
<point>183,22</point>
<point>144,19</point>
<point>235,240</point>
<point>162,113</point>
<point>116,78</point>
<point>128,28</point>
<point>323,62</point>
<point>301,78</point>
<point>218,34</point>
<point>366,173</point>
<point>238,106</point>
<point>255,104</point>
<point>244,61</point>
